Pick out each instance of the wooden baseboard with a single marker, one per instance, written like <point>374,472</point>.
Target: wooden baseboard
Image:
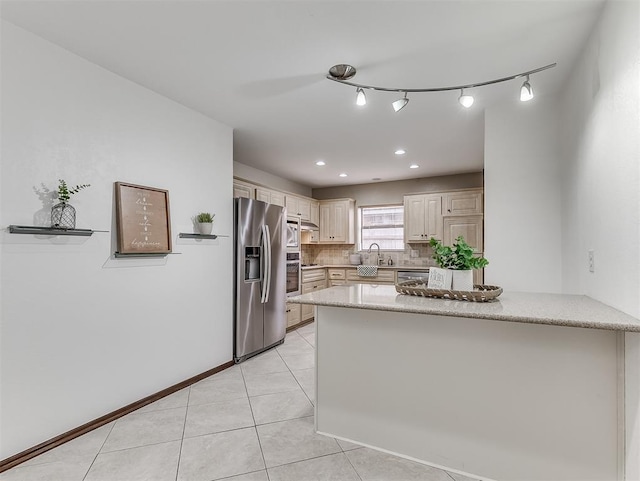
<point>303,323</point>
<point>34,451</point>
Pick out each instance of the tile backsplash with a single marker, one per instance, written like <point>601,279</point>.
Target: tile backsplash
<point>414,255</point>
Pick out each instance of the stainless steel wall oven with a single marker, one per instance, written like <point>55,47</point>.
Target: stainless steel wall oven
<point>293,274</point>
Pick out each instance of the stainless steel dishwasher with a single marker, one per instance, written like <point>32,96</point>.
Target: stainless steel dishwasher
<point>417,275</point>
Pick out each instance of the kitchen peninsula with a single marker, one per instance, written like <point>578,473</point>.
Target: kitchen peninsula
<point>530,386</point>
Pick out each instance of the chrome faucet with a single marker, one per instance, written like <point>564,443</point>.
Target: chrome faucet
<point>378,260</point>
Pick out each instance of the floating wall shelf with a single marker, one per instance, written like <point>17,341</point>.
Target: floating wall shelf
<point>32,229</point>
<point>118,255</point>
<point>186,235</point>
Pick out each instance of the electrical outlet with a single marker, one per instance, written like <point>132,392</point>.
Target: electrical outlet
<point>414,253</point>
<point>591,262</point>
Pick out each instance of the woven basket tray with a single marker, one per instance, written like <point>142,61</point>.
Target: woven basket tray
<point>480,293</point>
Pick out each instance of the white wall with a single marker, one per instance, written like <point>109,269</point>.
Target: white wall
<point>83,335</point>
<point>601,159</point>
<point>261,177</point>
<point>522,222</point>
<point>601,185</point>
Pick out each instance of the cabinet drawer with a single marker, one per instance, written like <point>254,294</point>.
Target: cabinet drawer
<point>334,282</point>
<point>314,275</point>
<point>313,286</point>
<point>386,276</point>
<point>336,274</point>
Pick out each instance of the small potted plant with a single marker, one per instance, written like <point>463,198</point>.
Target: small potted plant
<point>204,222</point>
<point>63,214</point>
<point>460,260</point>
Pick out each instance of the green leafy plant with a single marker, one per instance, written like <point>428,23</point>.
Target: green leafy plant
<point>65,193</point>
<point>204,217</point>
<point>459,257</point>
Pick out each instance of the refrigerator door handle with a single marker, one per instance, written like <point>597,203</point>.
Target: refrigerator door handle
<point>269,261</point>
<point>266,259</point>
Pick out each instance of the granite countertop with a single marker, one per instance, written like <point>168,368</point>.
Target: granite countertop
<point>343,266</point>
<point>551,309</point>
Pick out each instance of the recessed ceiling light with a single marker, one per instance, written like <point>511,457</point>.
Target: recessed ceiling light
<point>321,162</point>
<point>343,175</point>
<point>414,166</point>
<point>400,152</point>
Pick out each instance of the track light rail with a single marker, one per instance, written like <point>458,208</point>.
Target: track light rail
<point>334,74</point>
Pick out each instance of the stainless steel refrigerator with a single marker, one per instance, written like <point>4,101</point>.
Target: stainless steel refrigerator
<point>260,277</point>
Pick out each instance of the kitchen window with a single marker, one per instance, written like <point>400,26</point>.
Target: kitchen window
<point>383,225</point>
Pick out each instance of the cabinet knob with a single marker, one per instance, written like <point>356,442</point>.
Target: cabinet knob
<point>448,210</point>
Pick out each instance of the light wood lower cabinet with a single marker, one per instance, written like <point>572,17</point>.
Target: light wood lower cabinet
<point>312,280</point>
<point>293,314</point>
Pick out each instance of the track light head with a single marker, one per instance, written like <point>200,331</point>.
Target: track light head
<point>361,98</point>
<point>526,92</point>
<point>465,100</point>
<point>399,104</point>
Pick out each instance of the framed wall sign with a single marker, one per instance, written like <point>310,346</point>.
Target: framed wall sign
<point>142,219</point>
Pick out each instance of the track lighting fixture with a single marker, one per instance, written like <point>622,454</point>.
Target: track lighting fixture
<point>526,92</point>
<point>341,73</point>
<point>465,100</point>
<point>399,104</point>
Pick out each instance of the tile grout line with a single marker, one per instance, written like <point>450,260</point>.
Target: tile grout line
<point>255,426</point>
<point>99,450</point>
<point>350,463</point>
<point>184,427</point>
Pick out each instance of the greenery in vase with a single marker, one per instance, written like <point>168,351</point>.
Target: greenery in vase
<point>204,218</point>
<point>65,193</point>
<point>459,257</point>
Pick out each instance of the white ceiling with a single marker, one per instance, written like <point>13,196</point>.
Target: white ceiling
<point>259,67</point>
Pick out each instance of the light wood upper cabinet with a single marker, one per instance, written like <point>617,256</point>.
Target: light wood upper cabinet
<point>469,227</point>
<point>243,189</point>
<point>463,203</point>
<point>422,217</point>
<point>314,212</point>
<point>299,206</point>
<point>337,221</point>
<point>270,196</point>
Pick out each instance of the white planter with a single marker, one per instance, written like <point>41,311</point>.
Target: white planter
<point>462,280</point>
<point>204,227</point>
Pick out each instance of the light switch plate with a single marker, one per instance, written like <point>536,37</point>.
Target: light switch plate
<point>591,261</point>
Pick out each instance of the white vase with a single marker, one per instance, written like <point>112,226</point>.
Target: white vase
<point>205,227</point>
<point>462,280</point>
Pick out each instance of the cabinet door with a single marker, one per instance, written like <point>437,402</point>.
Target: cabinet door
<point>263,195</point>
<point>243,190</point>
<point>326,223</point>
<point>340,221</point>
<point>433,217</point>
<point>314,214</point>
<point>292,205</point>
<point>463,203</point>
<point>414,218</point>
<point>277,198</point>
<point>469,227</point>
<point>293,314</point>
<point>304,209</point>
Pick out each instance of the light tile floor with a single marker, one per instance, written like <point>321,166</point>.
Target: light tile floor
<point>251,422</point>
